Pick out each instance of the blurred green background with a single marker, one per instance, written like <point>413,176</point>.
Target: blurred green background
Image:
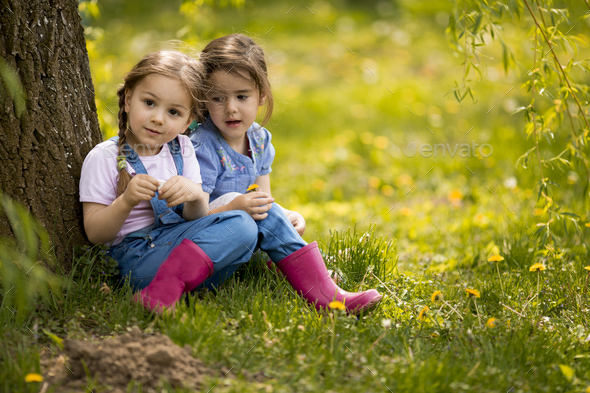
<point>354,85</point>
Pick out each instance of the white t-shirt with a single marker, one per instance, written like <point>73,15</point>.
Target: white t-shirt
<point>98,181</point>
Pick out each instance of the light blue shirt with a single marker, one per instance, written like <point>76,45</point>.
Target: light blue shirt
<point>225,170</point>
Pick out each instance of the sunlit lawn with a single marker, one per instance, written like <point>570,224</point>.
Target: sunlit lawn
<point>353,88</point>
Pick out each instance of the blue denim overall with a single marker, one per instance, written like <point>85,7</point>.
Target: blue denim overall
<point>228,238</point>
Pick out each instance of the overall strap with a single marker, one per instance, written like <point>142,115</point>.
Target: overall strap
<point>162,213</point>
<point>176,150</point>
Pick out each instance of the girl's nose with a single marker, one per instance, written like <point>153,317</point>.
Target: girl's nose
<point>157,117</point>
<point>231,107</point>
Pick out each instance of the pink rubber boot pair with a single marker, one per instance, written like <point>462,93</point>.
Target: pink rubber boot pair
<point>306,271</point>
<point>184,269</point>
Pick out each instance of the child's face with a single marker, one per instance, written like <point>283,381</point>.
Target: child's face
<point>159,108</point>
<point>232,104</point>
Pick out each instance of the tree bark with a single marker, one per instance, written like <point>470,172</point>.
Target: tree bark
<point>42,151</point>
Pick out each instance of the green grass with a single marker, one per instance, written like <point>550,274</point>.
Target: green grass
<point>254,323</point>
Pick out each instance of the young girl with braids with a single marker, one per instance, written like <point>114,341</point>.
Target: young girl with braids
<point>234,152</point>
<point>142,195</point>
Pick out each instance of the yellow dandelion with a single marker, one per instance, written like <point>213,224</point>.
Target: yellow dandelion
<point>32,377</point>
<point>491,323</point>
<point>498,258</point>
<point>455,195</point>
<point>587,225</point>
<point>473,292</point>
<point>337,305</point>
<point>436,296</point>
<point>254,187</point>
<point>587,268</point>
<point>537,267</point>
<point>422,314</point>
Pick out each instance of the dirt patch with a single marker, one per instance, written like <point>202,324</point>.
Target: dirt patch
<point>114,363</point>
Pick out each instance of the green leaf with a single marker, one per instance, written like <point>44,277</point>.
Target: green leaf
<point>58,341</point>
<point>14,87</point>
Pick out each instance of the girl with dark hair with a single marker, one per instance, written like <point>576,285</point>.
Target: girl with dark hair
<point>234,152</point>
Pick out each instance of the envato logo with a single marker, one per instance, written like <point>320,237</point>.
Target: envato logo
<point>465,150</point>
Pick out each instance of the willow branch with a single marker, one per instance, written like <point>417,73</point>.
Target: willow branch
<point>559,64</point>
<point>532,105</point>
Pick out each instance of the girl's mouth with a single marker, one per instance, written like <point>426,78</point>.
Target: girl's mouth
<point>152,132</point>
<point>233,123</point>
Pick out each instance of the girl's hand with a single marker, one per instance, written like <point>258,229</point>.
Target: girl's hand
<point>179,189</point>
<point>140,188</point>
<point>298,221</point>
<point>256,204</point>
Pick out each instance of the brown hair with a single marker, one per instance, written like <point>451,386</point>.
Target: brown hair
<point>240,54</point>
<point>167,63</point>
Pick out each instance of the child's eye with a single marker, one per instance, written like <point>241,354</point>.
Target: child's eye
<point>174,112</point>
<point>217,99</point>
<point>242,97</point>
<point>149,102</point>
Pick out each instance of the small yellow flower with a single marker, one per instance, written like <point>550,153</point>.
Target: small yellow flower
<point>33,378</point>
<point>436,296</point>
<point>455,195</point>
<point>495,258</point>
<point>536,267</point>
<point>587,224</point>
<point>491,323</point>
<point>254,187</point>
<point>422,314</point>
<point>337,305</point>
<point>587,267</point>
<point>473,292</point>
<point>508,323</point>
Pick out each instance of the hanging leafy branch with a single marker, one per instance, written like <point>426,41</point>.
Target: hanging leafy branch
<point>557,101</point>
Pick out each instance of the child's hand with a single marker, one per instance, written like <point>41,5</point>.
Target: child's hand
<point>255,204</point>
<point>298,221</point>
<point>179,189</point>
<point>140,188</point>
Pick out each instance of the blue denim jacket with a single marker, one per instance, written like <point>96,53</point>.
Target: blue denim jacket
<point>225,170</point>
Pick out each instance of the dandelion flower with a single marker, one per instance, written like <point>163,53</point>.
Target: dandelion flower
<point>491,323</point>
<point>473,292</point>
<point>436,296</point>
<point>254,187</point>
<point>337,305</point>
<point>587,224</point>
<point>587,268</point>
<point>498,258</point>
<point>32,377</point>
<point>422,314</point>
<point>537,267</point>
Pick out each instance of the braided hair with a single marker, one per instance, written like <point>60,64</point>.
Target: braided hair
<point>186,69</point>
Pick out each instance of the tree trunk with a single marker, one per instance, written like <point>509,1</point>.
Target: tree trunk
<point>42,150</point>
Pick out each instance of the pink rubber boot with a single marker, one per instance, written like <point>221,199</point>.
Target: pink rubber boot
<point>184,269</point>
<point>306,272</point>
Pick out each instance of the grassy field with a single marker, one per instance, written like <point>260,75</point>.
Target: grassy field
<point>356,89</point>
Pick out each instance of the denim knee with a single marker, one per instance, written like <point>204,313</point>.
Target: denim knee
<point>241,222</point>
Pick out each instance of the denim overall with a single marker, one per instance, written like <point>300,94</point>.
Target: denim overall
<point>228,238</point>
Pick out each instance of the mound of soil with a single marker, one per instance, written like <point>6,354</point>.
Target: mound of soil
<point>134,356</point>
